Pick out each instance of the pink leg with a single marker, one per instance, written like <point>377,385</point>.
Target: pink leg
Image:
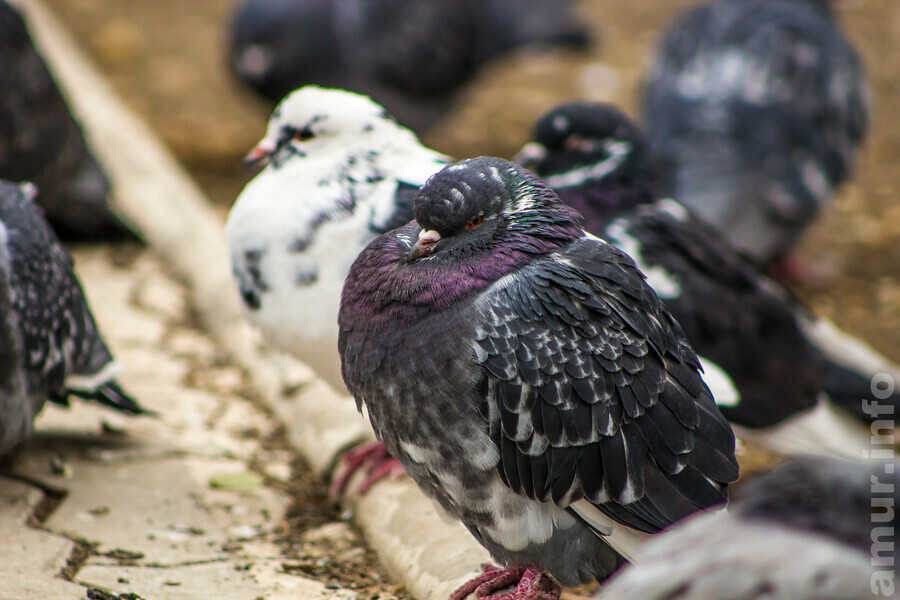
<point>530,583</point>
<point>372,459</point>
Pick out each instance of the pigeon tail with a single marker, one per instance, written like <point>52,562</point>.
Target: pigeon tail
<point>624,540</point>
<point>111,394</point>
<point>824,429</point>
<point>856,377</point>
<point>102,388</point>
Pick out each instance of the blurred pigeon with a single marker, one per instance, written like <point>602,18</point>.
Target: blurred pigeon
<point>529,380</point>
<point>815,528</point>
<point>598,161</point>
<point>50,344</point>
<point>41,142</point>
<point>340,172</point>
<point>758,108</point>
<point>409,55</point>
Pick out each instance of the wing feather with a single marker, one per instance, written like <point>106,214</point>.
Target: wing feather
<point>598,395</point>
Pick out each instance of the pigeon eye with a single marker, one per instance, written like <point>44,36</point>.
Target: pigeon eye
<point>475,222</point>
<point>304,134</point>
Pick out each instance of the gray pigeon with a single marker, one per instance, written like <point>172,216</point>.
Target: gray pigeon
<point>41,142</point>
<point>48,337</point>
<point>758,108</point>
<point>410,55</point>
<point>795,395</point>
<point>811,529</point>
<point>529,380</point>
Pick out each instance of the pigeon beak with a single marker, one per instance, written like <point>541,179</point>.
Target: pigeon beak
<point>260,155</point>
<point>531,154</point>
<point>423,245</point>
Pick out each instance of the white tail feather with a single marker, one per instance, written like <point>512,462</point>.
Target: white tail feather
<point>624,540</point>
<point>91,383</point>
<point>720,384</point>
<point>824,429</point>
<point>846,350</point>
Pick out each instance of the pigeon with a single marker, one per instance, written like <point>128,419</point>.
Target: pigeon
<point>814,528</point>
<point>529,380</point>
<point>793,396</point>
<point>339,172</point>
<point>49,341</point>
<point>411,56</point>
<point>42,143</point>
<point>757,108</point>
<point>339,167</point>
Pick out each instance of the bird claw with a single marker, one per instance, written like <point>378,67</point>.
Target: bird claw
<point>372,459</point>
<point>531,584</point>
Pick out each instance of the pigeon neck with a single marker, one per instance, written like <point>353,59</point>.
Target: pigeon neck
<point>384,286</point>
<point>603,200</point>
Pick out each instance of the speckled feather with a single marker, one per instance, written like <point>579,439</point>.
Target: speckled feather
<point>61,352</point>
<point>733,314</point>
<point>340,172</point>
<point>758,108</point>
<point>527,369</point>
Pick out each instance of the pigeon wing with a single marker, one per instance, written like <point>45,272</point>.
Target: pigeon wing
<point>592,392</point>
<point>732,314</point>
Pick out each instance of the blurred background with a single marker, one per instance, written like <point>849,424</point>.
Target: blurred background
<point>168,60</point>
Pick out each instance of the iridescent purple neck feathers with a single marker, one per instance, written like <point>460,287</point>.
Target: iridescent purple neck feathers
<point>490,218</point>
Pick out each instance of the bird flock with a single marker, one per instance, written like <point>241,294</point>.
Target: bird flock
<point>569,351</point>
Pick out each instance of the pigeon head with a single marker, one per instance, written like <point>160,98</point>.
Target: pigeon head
<point>278,45</point>
<point>315,120</point>
<point>477,221</point>
<point>479,206</point>
<point>586,149</point>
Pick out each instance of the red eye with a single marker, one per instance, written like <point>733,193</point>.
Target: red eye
<point>475,222</point>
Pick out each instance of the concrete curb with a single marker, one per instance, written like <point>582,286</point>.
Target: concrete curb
<point>155,195</point>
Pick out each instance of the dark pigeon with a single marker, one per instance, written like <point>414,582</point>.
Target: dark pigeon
<point>411,56</point>
<point>50,343</point>
<point>814,528</point>
<point>41,142</point>
<point>529,380</point>
<point>758,108</point>
<point>598,161</point>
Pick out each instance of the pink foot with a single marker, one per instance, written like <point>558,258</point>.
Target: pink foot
<point>530,583</point>
<point>373,460</point>
<point>794,269</point>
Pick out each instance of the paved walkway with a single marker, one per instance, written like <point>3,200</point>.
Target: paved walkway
<point>163,508</point>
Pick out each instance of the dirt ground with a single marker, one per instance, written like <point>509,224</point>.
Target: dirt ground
<point>167,59</point>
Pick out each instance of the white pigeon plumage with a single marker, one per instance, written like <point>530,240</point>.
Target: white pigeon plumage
<point>340,171</point>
